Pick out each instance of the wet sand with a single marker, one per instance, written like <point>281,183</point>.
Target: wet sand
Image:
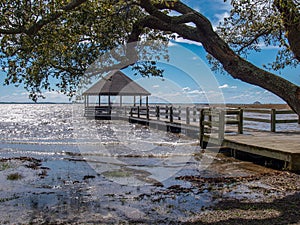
<point>69,191</point>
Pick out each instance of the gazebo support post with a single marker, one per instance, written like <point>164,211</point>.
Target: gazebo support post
<point>141,101</point>
<point>99,98</point>
<point>134,101</point>
<point>120,100</point>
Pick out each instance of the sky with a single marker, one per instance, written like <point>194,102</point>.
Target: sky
<point>187,76</point>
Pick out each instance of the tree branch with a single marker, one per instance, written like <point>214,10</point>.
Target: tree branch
<point>236,66</point>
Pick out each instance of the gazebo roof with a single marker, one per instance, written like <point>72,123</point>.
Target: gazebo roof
<point>116,83</point>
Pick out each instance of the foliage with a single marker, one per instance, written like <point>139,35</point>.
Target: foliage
<point>49,45</point>
<point>14,176</point>
<point>5,166</point>
<point>255,24</point>
<point>62,49</point>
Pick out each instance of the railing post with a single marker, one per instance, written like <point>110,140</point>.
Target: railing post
<point>273,120</point>
<point>138,111</point>
<point>171,114</point>
<point>167,112</point>
<point>210,117</point>
<point>201,128</point>
<point>147,111</point>
<point>194,114</point>
<point>240,119</point>
<point>157,112</point>
<point>221,126</point>
<point>187,115</point>
<point>131,111</point>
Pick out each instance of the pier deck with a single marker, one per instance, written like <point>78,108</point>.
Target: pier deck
<point>226,128</point>
<point>282,146</point>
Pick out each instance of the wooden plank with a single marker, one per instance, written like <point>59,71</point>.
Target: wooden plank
<point>257,119</point>
<point>285,112</point>
<point>211,123</point>
<point>287,121</point>
<point>232,122</point>
<point>260,111</point>
<point>232,112</point>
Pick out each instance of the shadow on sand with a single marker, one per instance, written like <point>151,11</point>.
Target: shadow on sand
<point>287,208</point>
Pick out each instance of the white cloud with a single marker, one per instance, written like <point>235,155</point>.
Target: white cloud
<point>196,92</point>
<point>185,89</point>
<point>155,86</point>
<point>182,40</point>
<point>224,86</point>
<point>227,86</point>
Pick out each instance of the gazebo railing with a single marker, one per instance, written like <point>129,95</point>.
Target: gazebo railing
<point>94,111</point>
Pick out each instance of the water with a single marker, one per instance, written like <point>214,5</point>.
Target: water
<point>110,171</point>
<point>52,132</point>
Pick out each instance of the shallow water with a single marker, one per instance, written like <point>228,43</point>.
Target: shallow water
<point>102,171</point>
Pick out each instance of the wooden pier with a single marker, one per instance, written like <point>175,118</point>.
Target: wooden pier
<point>225,127</point>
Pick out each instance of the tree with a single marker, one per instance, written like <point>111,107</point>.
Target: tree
<point>60,39</point>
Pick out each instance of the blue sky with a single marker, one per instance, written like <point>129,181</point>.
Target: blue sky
<point>187,75</point>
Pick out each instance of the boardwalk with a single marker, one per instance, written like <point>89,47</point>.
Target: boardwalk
<point>226,128</point>
<point>281,146</point>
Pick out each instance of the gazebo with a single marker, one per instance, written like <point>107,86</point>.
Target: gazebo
<point>115,83</point>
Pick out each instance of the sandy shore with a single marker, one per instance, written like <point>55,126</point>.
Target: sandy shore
<point>37,192</point>
<point>272,199</point>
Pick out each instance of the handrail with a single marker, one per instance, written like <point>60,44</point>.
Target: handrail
<point>191,115</point>
<point>272,120</point>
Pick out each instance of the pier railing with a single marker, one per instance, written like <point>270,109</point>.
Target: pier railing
<point>217,122</point>
<point>270,117</point>
<point>166,113</point>
<point>234,119</point>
